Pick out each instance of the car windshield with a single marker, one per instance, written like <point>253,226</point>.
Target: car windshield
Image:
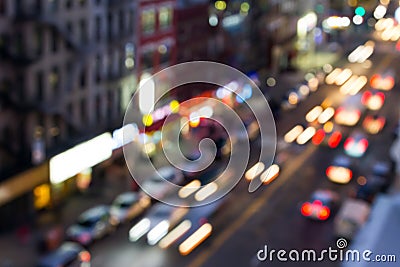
<point>163,174</point>
<point>124,204</point>
<point>87,222</point>
<point>324,198</point>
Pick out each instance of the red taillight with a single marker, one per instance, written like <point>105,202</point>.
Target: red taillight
<point>335,139</point>
<point>318,137</point>
<point>85,256</point>
<point>390,80</point>
<point>365,97</point>
<point>306,209</point>
<point>367,121</point>
<point>328,170</point>
<point>339,110</point>
<point>375,80</point>
<point>317,202</point>
<point>364,144</point>
<point>324,213</point>
<point>381,96</point>
<point>349,142</point>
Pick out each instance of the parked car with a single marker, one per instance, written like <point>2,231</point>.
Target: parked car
<point>351,216</point>
<point>160,184</point>
<point>68,254</point>
<point>127,206</point>
<point>91,225</point>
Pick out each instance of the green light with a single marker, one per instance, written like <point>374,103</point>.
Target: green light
<point>360,11</point>
<point>319,9</point>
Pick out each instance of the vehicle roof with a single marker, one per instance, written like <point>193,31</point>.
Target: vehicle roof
<point>164,173</point>
<point>66,252</point>
<point>127,196</point>
<point>323,194</point>
<point>381,168</point>
<point>96,211</point>
<point>341,160</point>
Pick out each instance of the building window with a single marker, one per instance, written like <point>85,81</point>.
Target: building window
<point>165,17</point>
<point>53,40</point>
<point>121,22</point>
<point>53,5</point>
<point>55,128</point>
<point>70,28</point>
<point>70,109</point>
<point>148,21</point>
<point>98,69</point>
<point>131,21</point>
<point>20,86</point>
<point>99,114</point>
<point>3,7</point>
<point>165,53</point>
<point>119,100</point>
<point>83,111</point>
<point>147,60</point>
<point>68,4</point>
<point>70,112</point>
<point>120,63</point>
<point>110,26</point>
<point>54,79</point>
<point>39,85</point>
<point>84,35</point>
<point>82,2</point>
<point>38,6</point>
<point>82,80</point>
<point>98,28</point>
<point>38,40</point>
<point>69,76</point>
<point>110,104</point>
<point>19,43</point>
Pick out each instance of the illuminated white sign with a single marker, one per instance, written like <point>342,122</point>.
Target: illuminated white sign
<point>146,93</point>
<point>397,15</point>
<point>306,24</point>
<point>125,135</point>
<point>80,157</point>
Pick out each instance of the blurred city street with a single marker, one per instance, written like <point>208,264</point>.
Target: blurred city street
<point>80,124</point>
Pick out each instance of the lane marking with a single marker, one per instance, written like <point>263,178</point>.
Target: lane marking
<point>252,209</point>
